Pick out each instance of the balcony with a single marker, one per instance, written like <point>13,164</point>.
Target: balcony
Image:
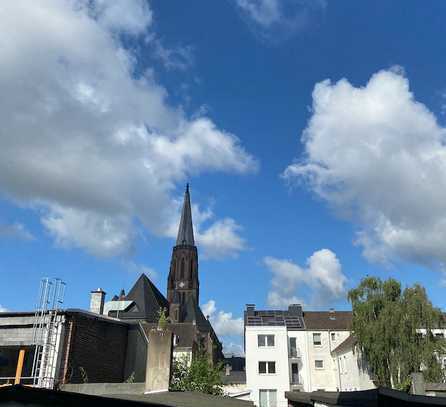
<point>294,353</point>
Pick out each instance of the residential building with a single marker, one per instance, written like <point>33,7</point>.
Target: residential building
<point>352,370</point>
<point>291,351</point>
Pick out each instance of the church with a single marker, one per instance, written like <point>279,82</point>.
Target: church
<point>144,302</point>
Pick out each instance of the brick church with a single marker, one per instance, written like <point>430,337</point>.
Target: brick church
<point>143,303</point>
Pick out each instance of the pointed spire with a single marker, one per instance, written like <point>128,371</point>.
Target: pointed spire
<point>186,231</point>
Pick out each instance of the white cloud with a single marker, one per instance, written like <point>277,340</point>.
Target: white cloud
<point>216,239</point>
<point>15,231</point>
<point>98,148</point>
<point>3,309</point>
<point>322,277</point>
<point>222,322</point>
<point>136,268</point>
<point>233,349</point>
<point>277,20</point>
<point>378,157</point>
<point>175,58</point>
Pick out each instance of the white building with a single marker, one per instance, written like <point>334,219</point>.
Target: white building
<point>352,369</point>
<point>292,350</point>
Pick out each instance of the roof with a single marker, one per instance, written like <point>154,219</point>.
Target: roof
<point>328,320</point>
<point>147,301</point>
<point>185,230</point>
<point>274,318</point>
<point>187,399</point>
<point>185,333</point>
<point>345,345</point>
<point>365,398</point>
<point>235,377</point>
<point>43,397</point>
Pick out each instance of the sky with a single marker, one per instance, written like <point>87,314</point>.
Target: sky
<point>312,133</point>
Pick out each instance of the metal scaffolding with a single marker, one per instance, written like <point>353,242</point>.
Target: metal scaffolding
<point>47,332</point>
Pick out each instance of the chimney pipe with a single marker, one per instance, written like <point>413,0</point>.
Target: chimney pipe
<point>97,300</point>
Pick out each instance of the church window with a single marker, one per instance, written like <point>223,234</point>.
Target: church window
<point>182,269</point>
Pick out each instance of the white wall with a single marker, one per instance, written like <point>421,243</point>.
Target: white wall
<point>325,378</point>
<point>279,381</point>
<point>353,373</point>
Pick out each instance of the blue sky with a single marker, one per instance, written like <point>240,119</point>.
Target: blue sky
<point>301,187</point>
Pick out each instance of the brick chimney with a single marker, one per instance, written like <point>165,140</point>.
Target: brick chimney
<point>97,300</point>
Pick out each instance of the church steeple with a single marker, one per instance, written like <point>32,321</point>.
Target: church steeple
<point>186,231</point>
<point>182,283</point>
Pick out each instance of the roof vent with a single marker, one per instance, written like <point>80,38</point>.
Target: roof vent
<point>332,315</point>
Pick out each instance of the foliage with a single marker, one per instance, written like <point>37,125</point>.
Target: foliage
<point>163,319</point>
<point>394,331</point>
<point>198,375</point>
<point>84,376</point>
<point>131,378</point>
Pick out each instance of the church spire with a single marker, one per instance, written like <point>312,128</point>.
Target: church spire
<point>186,231</point>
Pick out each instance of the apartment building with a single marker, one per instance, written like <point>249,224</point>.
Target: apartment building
<point>292,350</point>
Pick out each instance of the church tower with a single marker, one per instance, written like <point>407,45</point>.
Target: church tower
<point>182,283</point>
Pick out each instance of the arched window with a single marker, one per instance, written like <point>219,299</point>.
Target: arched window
<point>182,269</point>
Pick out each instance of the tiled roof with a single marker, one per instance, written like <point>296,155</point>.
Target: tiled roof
<point>328,320</point>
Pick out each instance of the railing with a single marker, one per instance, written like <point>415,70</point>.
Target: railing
<point>294,353</point>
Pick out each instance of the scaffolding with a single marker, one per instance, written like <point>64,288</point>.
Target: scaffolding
<point>47,329</point>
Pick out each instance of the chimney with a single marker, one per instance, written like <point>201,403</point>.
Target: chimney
<point>295,309</point>
<point>332,315</point>
<point>250,309</point>
<point>97,300</point>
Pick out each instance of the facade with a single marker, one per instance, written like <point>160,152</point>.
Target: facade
<point>292,351</point>
<point>351,366</point>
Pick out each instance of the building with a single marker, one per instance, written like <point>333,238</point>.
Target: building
<point>351,366</point>
<point>109,343</point>
<point>144,302</point>
<point>292,351</point>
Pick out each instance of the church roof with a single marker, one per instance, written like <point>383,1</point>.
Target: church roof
<point>147,299</point>
<point>186,231</point>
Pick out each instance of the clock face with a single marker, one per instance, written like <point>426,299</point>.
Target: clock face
<point>181,284</point>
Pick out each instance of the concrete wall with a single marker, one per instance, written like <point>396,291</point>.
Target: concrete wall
<point>16,330</point>
<point>103,389</point>
<point>136,355</point>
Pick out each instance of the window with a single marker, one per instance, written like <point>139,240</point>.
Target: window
<point>333,336</point>
<point>439,335</point>
<point>268,398</point>
<point>317,341</point>
<point>294,373</point>
<point>265,340</point>
<point>293,348</point>
<point>319,364</point>
<point>267,367</point>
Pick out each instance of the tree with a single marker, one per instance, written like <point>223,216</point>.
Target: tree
<point>394,331</point>
<point>200,375</point>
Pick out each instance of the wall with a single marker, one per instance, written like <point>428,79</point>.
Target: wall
<point>326,378</point>
<point>95,346</point>
<point>279,381</point>
<point>353,374</point>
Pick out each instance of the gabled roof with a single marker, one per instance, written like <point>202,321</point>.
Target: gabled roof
<point>147,301</point>
<point>186,231</point>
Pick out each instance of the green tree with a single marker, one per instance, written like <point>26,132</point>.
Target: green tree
<point>198,375</point>
<point>394,331</point>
